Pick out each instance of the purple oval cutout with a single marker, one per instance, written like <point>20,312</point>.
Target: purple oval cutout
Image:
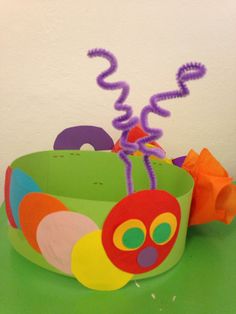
<point>147,257</point>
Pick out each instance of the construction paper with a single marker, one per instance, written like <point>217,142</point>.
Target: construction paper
<point>147,257</point>
<point>149,208</point>
<point>139,153</point>
<point>91,266</point>
<point>129,235</point>
<point>21,246</point>
<point>162,233</point>
<point>103,186</point>
<point>62,175</point>
<point>209,254</point>
<point>33,208</point>
<point>163,228</point>
<point>21,184</point>
<point>133,238</point>
<point>75,137</point>
<point>58,232</point>
<point>134,134</point>
<point>7,197</point>
<point>178,161</point>
<point>214,196</point>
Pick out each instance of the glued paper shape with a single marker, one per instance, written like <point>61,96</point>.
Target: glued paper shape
<point>178,161</point>
<point>33,208</point>
<point>163,228</point>
<point>139,153</point>
<point>214,195</point>
<point>150,208</point>
<point>130,235</point>
<point>91,266</point>
<point>134,134</point>
<point>7,197</point>
<point>75,137</point>
<point>58,232</point>
<point>21,246</point>
<point>21,184</point>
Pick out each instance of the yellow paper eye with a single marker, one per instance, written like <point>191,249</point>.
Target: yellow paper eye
<point>130,235</point>
<point>163,228</point>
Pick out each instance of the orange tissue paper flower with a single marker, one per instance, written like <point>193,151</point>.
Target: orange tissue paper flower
<point>214,195</point>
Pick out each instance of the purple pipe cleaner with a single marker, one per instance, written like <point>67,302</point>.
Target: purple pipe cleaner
<point>188,72</point>
<point>125,122</point>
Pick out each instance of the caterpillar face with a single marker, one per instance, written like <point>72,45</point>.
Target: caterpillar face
<point>140,231</point>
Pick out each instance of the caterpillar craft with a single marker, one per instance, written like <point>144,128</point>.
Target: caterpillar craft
<point>68,209</point>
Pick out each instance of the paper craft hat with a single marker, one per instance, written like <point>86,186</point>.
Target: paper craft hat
<point>69,211</point>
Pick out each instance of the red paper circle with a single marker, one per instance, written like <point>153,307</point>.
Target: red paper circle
<point>7,198</point>
<point>144,206</point>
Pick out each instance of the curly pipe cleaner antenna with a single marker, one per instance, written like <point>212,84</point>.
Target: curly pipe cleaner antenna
<point>124,122</point>
<point>187,72</point>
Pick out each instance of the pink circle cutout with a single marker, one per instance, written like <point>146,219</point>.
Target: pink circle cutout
<point>58,232</point>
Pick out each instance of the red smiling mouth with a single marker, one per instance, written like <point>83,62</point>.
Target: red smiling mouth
<point>147,257</point>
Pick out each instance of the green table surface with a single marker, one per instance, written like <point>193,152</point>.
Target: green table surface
<point>204,281</point>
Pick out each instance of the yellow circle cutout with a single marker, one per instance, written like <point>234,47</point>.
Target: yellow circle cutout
<point>121,229</point>
<point>91,266</point>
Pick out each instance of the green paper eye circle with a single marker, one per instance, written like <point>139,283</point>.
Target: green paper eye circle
<point>133,238</point>
<point>163,228</point>
<point>162,233</point>
<point>130,235</point>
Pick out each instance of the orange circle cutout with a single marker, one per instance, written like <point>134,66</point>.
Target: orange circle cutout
<point>33,208</point>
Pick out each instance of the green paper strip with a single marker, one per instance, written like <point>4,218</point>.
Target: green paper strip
<point>91,183</point>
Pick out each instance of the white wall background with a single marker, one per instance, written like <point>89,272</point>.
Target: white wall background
<point>47,83</point>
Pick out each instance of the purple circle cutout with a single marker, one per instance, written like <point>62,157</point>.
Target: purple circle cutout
<point>147,257</point>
